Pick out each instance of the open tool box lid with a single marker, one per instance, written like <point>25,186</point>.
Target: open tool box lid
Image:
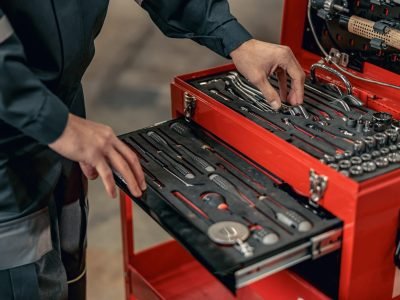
<point>286,161</point>
<point>380,65</point>
<point>356,202</point>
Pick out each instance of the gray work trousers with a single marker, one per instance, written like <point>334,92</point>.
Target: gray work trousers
<point>50,258</point>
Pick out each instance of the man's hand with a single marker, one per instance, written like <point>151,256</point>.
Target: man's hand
<point>257,60</point>
<point>99,151</point>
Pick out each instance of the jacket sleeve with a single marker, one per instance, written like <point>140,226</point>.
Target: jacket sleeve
<point>208,22</point>
<point>25,103</point>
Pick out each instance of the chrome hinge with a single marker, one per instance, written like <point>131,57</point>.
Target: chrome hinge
<point>326,243</point>
<point>189,106</point>
<point>318,184</point>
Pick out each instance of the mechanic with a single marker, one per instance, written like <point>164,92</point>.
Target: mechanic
<point>46,143</point>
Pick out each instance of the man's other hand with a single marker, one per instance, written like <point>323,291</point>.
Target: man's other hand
<point>99,152</point>
<point>257,60</point>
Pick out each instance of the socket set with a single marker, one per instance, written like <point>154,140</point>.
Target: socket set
<point>331,125</point>
<point>237,218</point>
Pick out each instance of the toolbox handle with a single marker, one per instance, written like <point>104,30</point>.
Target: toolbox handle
<point>313,77</point>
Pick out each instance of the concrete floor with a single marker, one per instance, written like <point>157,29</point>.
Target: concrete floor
<point>127,87</point>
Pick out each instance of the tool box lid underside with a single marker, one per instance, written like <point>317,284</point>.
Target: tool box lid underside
<point>297,35</point>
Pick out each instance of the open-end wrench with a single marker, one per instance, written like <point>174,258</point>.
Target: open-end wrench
<point>295,110</point>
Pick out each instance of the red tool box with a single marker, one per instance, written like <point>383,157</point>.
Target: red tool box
<point>349,255</point>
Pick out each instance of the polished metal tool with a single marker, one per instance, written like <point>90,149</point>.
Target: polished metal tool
<point>216,200</point>
<point>392,135</point>
<point>159,162</point>
<point>368,166</point>
<point>356,170</point>
<point>394,157</point>
<point>381,139</point>
<point>218,94</point>
<point>203,164</point>
<point>294,110</point>
<point>177,166</point>
<point>382,117</point>
<point>182,149</point>
<point>381,162</point>
<point>250,96</point>
<point>231,233</point>
<point>356,160</point>
<point>286,216</point>
<point>266,237</point>
<point>245,248</point>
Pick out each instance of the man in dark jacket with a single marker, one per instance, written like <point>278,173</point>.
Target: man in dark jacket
<point>45,142</point>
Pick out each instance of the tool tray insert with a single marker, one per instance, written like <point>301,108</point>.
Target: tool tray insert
<point>195,180</point>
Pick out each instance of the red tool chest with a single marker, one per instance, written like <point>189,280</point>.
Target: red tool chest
<point>368,207</point>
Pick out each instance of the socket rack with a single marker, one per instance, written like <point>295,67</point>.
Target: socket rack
<point>239,220</point>
<point>332,126</point>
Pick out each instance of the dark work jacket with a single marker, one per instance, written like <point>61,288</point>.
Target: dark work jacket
<point>45,48</point>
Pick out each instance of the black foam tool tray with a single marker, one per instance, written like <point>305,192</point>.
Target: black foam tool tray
<point>176,199</point>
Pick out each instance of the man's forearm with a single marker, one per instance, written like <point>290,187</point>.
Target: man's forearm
<point>208,22</point>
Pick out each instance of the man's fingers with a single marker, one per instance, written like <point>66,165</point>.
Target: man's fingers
<point>282,79</point>
<point>120,165</point>
<point>107,178</point>
<point>296,94</point>
<point>269,92</point>
<point>133,162</point>
<point>89,171</point>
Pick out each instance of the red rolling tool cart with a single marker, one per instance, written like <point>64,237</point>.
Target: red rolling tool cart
<point>336,163</point>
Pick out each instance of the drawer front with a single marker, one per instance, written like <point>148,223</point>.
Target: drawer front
<point>239,220</point>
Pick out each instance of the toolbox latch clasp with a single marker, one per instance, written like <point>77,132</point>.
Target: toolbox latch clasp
<point>318,184</point>
<point>189,106</point>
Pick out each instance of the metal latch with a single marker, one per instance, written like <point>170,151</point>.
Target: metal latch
<point>318,184</point>
<point>189,106</point>
<point>326,243</point>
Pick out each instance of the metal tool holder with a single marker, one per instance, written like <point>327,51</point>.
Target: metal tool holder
<point>241,221</point>
<point>331,125</point>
